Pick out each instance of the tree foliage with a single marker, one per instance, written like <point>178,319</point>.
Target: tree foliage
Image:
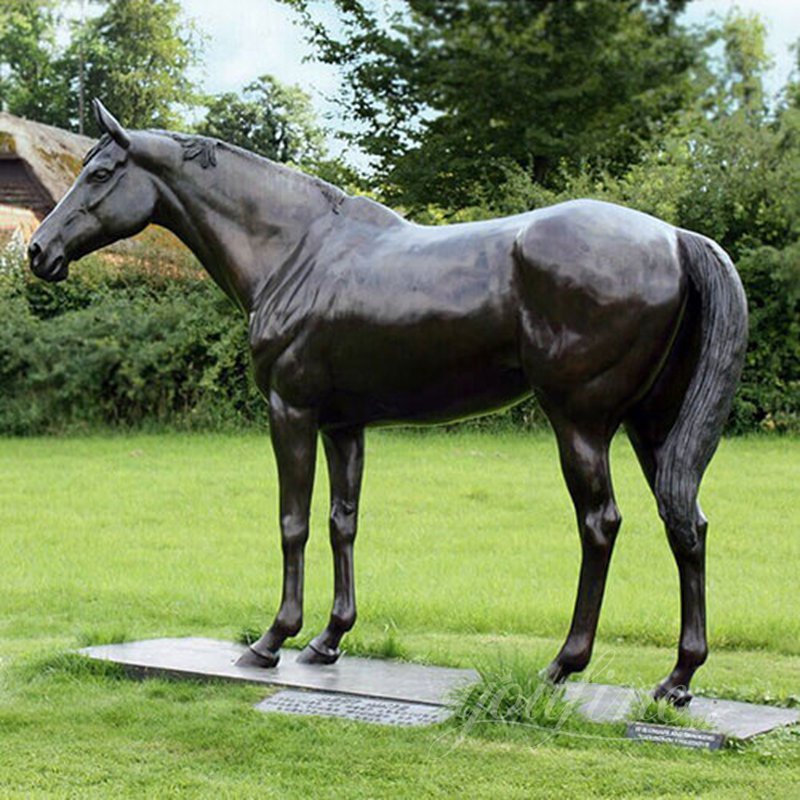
<point>451,95</point>
<point>470,108</point>
<point>135,54</point>
<point>127,349</point>
<point>729,167</point>
<point>268,118</point>
<point>28,55</point>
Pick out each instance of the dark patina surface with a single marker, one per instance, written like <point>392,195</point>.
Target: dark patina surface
<point>359,317</point>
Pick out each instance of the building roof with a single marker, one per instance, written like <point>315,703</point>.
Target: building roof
<point>53,155</point>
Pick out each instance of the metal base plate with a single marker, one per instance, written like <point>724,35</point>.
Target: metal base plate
<point>408,683</point>
<point>209,658</point>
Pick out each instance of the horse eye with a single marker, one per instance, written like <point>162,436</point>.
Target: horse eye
<point>100,175</point>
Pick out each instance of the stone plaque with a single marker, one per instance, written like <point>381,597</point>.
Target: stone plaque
<point>666,734</point>
<point>363,709</point>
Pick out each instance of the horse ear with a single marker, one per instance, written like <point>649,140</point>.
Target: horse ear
<point>108,124</point>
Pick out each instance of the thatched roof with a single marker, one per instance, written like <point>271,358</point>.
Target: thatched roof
<point>53,155</point>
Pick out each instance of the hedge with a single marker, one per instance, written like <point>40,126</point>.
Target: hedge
<point>125,352</point>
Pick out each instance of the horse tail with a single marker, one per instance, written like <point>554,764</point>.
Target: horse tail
<point>697,429</point>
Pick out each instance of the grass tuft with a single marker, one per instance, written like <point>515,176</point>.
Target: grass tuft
<point>511,692</point>
<point>248,635</point>
<point>97,637</point>
<point>661,712</point>
<point>387,646</point>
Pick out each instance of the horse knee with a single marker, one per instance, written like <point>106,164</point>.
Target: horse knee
<point>343,522</point>
<point>600,528</point>
<point>294,532</point>
<point>685,523</point>
<point>687,540</point>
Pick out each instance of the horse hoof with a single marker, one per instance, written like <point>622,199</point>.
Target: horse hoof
<point>678,696</point>
<point>318,654</point>
<point>554,673</point>
<point>264,660</point>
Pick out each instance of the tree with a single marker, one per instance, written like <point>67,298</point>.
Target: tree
<point>269,118</point>
<point>793,88</point>
<point>453,96</point>
<point>136,56</point>
<point>29,83</point>
<point>729,168</point>
<point>740,81</point>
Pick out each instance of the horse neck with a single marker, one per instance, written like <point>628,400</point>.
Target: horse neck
<point>242,217</point>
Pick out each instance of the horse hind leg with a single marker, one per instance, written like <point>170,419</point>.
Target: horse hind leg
<point>693,646</point>
<point>584,462</point>
<point>689,553</point>
<point>677,426</point>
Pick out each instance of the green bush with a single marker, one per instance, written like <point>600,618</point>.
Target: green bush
<point>769,397</point>
<point>88,354</point>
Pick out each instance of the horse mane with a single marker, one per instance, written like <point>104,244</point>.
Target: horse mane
<point>204,149</point>
<point>200,147</point>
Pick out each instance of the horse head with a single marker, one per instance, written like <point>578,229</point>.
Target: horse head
<point>112,198</point>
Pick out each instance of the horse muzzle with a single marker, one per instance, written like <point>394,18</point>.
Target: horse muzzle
<point>51,267</point>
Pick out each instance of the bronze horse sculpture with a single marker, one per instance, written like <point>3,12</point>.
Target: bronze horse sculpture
<point>359,317</point>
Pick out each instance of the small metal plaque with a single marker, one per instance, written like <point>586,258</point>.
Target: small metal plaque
<point>363,709</point>
<point>684,737</point>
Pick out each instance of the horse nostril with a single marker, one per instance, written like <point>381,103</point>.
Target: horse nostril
<point>33,251</point>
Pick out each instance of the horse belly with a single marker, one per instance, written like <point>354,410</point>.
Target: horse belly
<point>433,367</point>
<point>468,391</point>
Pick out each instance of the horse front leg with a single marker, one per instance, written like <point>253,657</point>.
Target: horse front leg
<point>294,439</point>
<point>344,451</point>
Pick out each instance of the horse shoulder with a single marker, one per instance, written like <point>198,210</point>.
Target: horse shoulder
<point>289,301</point>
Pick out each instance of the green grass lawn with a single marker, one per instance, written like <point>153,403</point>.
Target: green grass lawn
<point>467,551</point>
